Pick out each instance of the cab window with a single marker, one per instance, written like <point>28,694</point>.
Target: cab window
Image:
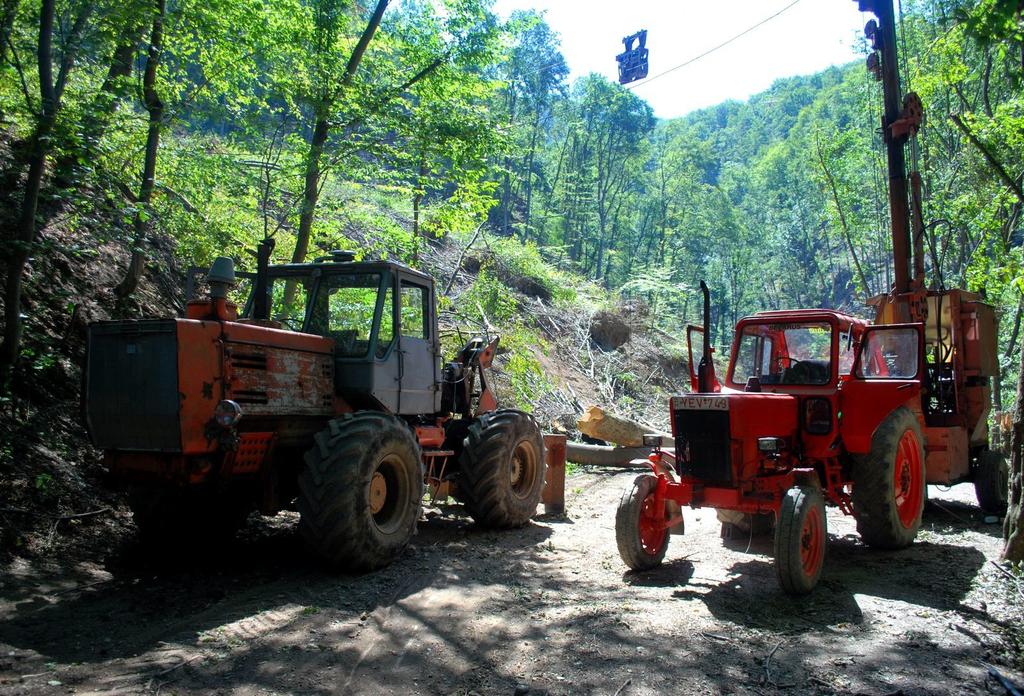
<point>414,311</point>
<point>846,353</point>
<point>344,311</point>
<point>890,354</point>
<point>288,298</point>
<point>798,353</point>
<point>386,335</point>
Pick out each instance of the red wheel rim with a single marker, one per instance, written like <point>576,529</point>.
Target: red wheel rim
<point>908,486</point>
<point>652,527</point>
<point>812,541</point>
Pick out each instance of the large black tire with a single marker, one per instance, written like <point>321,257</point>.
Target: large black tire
<point>171,519</point>
<point>360,491</point>
<point>501,470</point>
<point>642,545</point>
<point>889,483</point>
<point>801,540</point>
<point>991,482</point>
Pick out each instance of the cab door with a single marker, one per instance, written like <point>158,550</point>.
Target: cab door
<point>418,348</point>
<point>695,346</point>
<point>887,374</point>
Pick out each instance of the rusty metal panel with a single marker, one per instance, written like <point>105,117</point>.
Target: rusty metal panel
<point>200,382</point>
<point>946,455</point>
<point>278,381</point>
<point>235,332</point>
<point>980,332</point>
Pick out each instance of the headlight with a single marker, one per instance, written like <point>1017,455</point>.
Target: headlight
<point>771,445</point>
<point>227,414</point>
<point>818,416</point>
<point>651,440</point>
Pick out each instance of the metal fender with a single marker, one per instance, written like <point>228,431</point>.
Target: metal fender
<point>661,465</point>
<point>865,404</point>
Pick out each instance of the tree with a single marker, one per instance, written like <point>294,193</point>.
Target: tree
<point>155,108</point>
<point>323,102</point>
<point>51,90</point>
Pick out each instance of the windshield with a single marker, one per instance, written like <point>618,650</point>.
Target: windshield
<point>791,353</point>
<point>287,298</point>
<point>344,310</point>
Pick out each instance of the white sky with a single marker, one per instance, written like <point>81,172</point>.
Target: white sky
<point>808,37</point>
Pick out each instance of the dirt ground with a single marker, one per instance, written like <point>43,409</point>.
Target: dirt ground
<point>546,609</point>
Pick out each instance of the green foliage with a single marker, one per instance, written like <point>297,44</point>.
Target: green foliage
<point>44,485</point>
<point>492,297</point>
<point>456,118</point>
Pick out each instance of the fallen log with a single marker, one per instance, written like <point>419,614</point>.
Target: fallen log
<point>605,455</point>
<point>601,425</point>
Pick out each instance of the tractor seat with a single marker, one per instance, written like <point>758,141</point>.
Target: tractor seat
<point>807,372</point>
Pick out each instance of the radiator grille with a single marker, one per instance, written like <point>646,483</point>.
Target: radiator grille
<point>705,436</point>
<point>131,396</point>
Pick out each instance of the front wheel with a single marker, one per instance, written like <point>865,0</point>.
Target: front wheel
<point>800,540</point>
<point>360,491</point>
<point>640,531</point>
<point>501,470</point>
<point>991,482</point>
<point>889,483</point>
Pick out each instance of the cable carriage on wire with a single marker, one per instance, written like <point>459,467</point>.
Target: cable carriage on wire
<point>633,60</point>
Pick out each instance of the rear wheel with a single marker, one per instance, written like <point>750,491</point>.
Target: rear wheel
<point>800,540</point>
<point>501,470</point>
<point>640,531</point>
<point>360,491</point>
<point>991,482</point>
<point>889,483</point>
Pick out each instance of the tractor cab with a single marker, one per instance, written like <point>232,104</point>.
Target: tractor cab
<point>381,318</point>
<point>786,351</point>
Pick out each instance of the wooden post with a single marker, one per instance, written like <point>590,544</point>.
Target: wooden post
<point>554,480</point>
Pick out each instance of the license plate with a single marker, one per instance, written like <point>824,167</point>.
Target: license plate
<point>700,403</point>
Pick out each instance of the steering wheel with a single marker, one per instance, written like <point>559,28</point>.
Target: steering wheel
<point>792,362</point>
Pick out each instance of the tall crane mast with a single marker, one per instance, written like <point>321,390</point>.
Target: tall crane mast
<point>884,63</point>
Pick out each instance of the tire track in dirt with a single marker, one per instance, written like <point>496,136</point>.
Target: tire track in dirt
<point>549,606</point>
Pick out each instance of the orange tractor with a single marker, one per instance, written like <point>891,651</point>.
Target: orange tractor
<point>327,389</point>
<point>818,407</point>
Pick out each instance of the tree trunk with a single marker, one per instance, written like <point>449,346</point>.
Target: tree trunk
<point>25,232</point>
<point>9,9</point>
<point>1013,525</point>
<point>417,198</point>
<point>529,183</point>
<point>155,107</point>
<point>599,424</point>
<point>321,129</point>
<point>104,103</point>
<point>311,188</point>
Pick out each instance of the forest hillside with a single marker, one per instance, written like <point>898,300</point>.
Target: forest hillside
<point>143,138</point>
<point>405,551</point>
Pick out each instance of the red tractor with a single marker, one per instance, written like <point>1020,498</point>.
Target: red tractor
<point>327,390</point>
<point>819,407</point>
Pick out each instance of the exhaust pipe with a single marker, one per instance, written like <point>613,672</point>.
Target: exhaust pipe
<point>706,369</point>
<point>261,301</point>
